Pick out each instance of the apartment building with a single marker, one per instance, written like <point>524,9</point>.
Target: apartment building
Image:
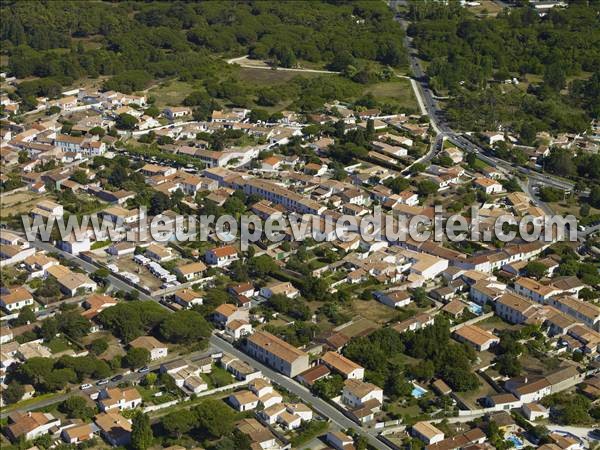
<point>582,311</point>
<point>282,196</point>
<point>276,353</point>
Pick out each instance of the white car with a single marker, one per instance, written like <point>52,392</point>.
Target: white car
<point>85,386</point>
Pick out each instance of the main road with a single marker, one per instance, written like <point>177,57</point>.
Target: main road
<point>320,405</point>
<point>427,99</point>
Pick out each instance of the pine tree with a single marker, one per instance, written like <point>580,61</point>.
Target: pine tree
<point>141,433</point>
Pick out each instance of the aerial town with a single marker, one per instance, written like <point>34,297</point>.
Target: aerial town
<point>139,113</point>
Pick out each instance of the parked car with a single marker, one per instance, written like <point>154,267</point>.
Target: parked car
<point>103,382</point>
<point>144,369</point>
<point>85,386</point>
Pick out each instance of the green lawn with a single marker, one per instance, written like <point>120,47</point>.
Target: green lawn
<point>264,77</point>
<point>59,344</point>
<point>219,377</point>
<point>398,92</point>
<point>171,93</point>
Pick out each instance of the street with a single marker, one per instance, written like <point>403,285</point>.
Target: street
<point>320,405</point>
<point>426,98</point>
<point>132,377</point>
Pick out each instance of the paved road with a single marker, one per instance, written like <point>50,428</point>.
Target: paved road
<point>241,61</point>
<point>426,98</point>
<point>129,378</point>
<point>321,406</point>
<point>90,268</point>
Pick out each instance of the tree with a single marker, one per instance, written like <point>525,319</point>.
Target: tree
<point>528,133</point>
<point>149,379</point>
<point>73,324</point>
<point>216,417</point>
<point>80,177</point>
<point>137,357</point>
<point>13,393</point>
<point>555,77</point>
<point>177,424</point>
<point>141,432</point>
<point>126,122</point>
<point>98,346</point>
<point>427,187</point>
<point>508,364</point>
<point>97,131</point>
<point>26,315</point>
<point>185,326</point>
<point>48,329</point>
<point>159,203</point>
<point>536,269</point>
<point>75,407</point>
<point>328,388</point>
<point>397,184</point>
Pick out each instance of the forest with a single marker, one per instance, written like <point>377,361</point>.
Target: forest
<point>556,58</point>
<point>132,44</point>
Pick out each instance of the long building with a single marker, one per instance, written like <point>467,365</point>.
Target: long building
<point>276,353</point>
<point>282,196</point>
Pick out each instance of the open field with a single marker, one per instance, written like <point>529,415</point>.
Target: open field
<point>18,203</point>
<point>269,77</point>
<point>374,311</point>
<point>470,398</point>
<point>486,8</point>
<point>359,327</point>
<point>171,93</point>
<point>397,92</point>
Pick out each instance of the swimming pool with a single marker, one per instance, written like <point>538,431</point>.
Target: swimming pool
<point>518,443</point>
<point>475,308</point>
<point>418,391</point>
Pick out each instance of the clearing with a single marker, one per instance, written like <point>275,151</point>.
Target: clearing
<point>172,93</point>
<point>398,92</point>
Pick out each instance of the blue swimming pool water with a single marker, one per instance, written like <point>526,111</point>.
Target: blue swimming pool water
<point>518,443</point>
<point>475,308</point>
<point>418,392</point>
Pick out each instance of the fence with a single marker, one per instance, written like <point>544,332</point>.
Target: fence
<point>201,394</point>
<point>473,321</point>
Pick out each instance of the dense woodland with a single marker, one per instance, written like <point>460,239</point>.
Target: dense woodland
<point>470,57</point>
<point>134,43</point>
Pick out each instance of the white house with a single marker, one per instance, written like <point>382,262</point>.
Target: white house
<point>156,348</point>
<point>116,398</point>
<point>191,271</point>
<point>489,186</point>
<point>427,433</point>
<point>355,393</point>
<point>339,440</point>
<point>187,298</point>
<point>29,425</point>
<point>221,256</point>
<point>394,299</point>
<point>243,401</point>
<point>279,288</point>
<point>14,299</point>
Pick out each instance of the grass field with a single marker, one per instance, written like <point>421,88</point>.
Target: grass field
<point>269,77</point>
<point>58,345</point>
<point>373,311</point>
<point>487,8</point>
<point>358,327</point>
<point>397,92</point>
<point>570,206</point>
<point>18,202</point>
<point>171,93</point>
